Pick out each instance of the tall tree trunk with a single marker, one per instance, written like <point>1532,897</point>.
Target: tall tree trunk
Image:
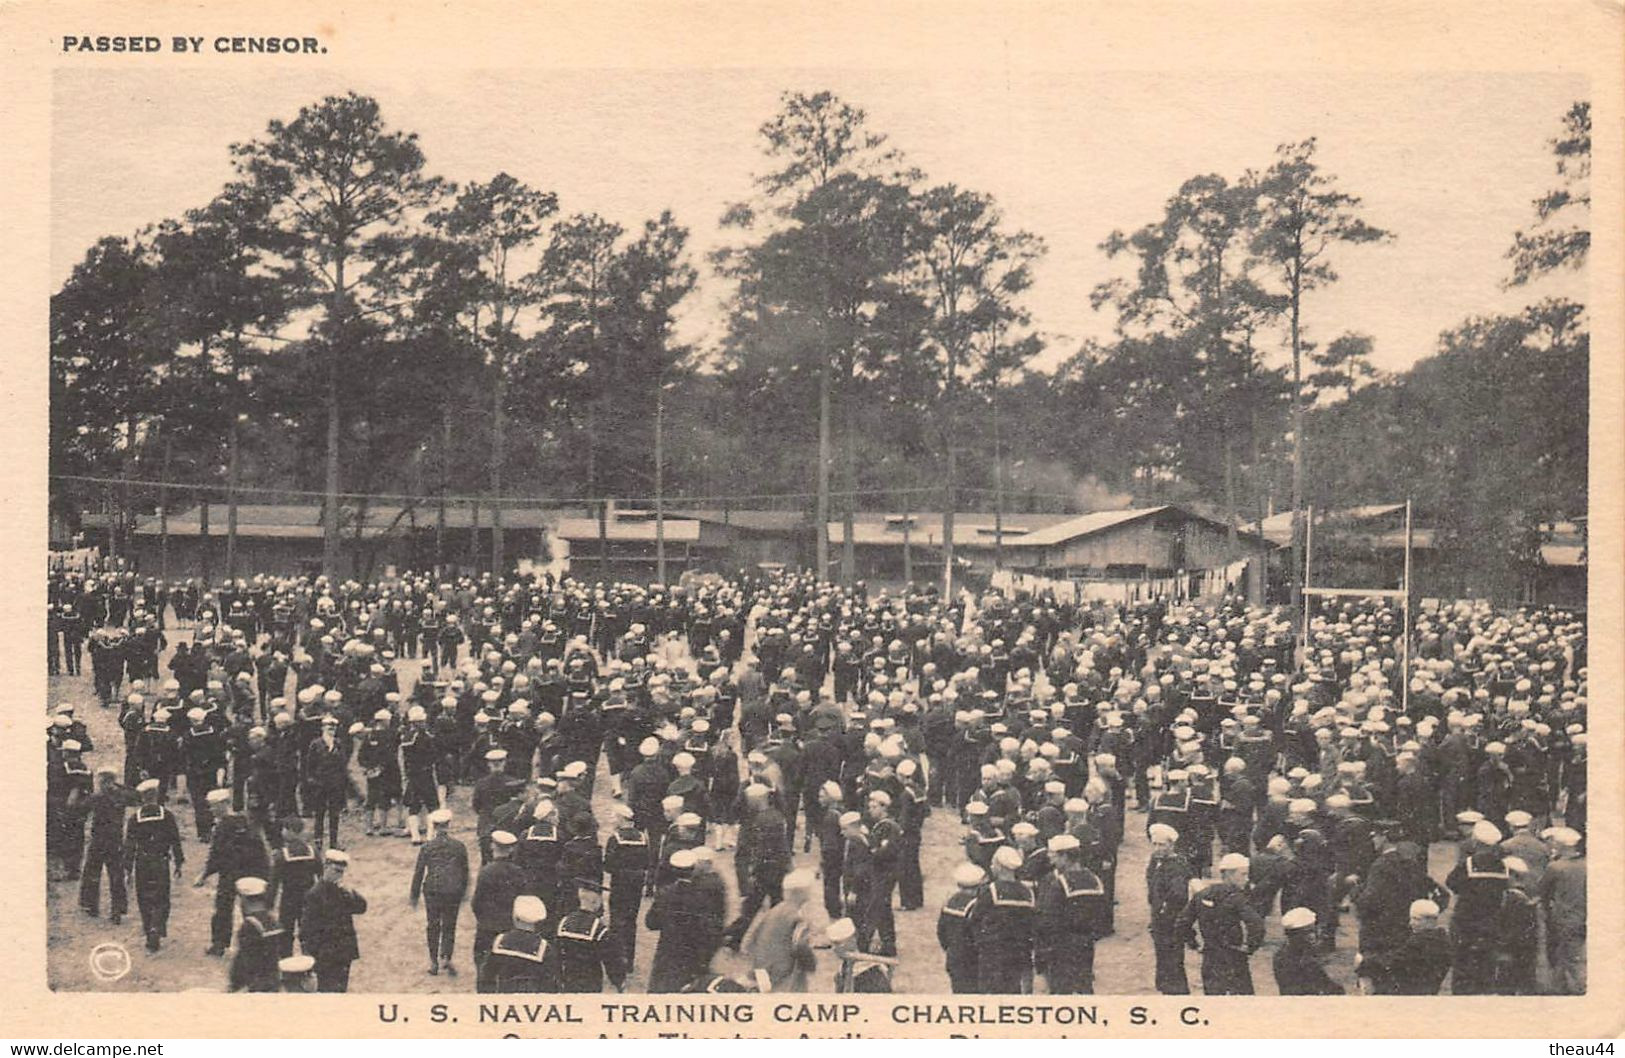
<point>950,489</point>
<point>233,482</point>
<point>163,515</point>
<point>445,480</point>
<point>849,453</point>
<point>1297,449</point>
<point>126,518</point>
<point>998,483</point>
<point>908,549</point>
<point>660,481</point>
<point>498,453</point>
<point>821,506</point>
<point>1258,583</point>
<point>206,559</point>
<point>330,508</point>
<point>1231,536</point>
<point>603,540</point>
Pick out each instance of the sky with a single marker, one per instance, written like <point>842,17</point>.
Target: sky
<point>1448,163</point>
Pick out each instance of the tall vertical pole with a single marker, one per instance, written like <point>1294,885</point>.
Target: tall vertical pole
<point>908,551</point>
<point>998,483</point>
<point>445,480</point>
<point>660,483</point>
<point>821,506</point>
<point>1405,644</point>
<point>203,539</point>
<point>499,449</point>
<point>1308,554</point>
<point>163,515</point>
<point>233,482</point>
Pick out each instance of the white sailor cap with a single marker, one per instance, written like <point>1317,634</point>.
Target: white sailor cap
<point>338,856</point>
<point>529,910</point>
<point>1486,832</point>
<point>215,797</point>
<point>968,875</point>
<point>1424,909</point>
<point>147,785</point>
<point>689,819</point>
<point>683,859</point>
<point>496,754</point>
<point>1063,843</point>
<point>503,837</point>
<point>1298,918</point>
<point>1008,858</point>
<point>251,887</point>
<point>1565,837</point>
<point>1162,832</point>
<point>1233,861</point>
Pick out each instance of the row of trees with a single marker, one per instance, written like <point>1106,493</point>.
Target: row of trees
<point>338,314</point>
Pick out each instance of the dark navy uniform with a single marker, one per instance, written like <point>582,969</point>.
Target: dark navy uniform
<point>587,953</point>
<point>1230,930</point>
<point>1004,925</point>
<point>1071,911</point>
<point>494,890</point>
<point>956,932</point>
<point>234,852</point>
<point>260,943</point>
<point>1167,884</point>
<point>626,862</point>
<point>151,841</point>
<point>520,960</point>
<point>1479,884</point>
<point>293,872</point>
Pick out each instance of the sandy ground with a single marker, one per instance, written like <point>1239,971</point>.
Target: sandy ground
<point>393,951</point>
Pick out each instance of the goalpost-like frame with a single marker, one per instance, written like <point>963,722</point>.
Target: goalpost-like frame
<point>1402,593</point>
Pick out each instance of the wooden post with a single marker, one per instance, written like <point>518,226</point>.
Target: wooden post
<point>203,539</point>
<point>660,483</point>
<point>1405,644</point>
<point>1308,553</point>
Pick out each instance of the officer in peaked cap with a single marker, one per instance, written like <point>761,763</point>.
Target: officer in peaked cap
<point>297,973</point>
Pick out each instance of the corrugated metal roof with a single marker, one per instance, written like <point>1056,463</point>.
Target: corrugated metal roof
<point>678,530</point>
<point>755,521</point>
<point>1084,525</point>
<point>305,521</point>
<point>928,533</point>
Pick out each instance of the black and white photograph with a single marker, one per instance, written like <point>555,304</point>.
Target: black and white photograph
<point>815,529</point>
